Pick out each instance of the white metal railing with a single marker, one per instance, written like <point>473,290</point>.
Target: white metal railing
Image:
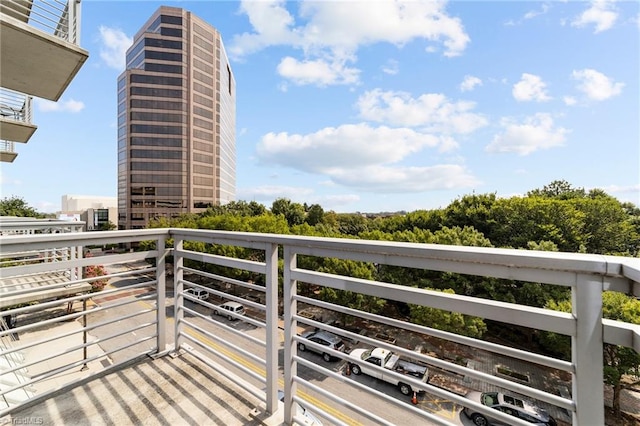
<point>100,342</point>
<point>258,370</point>
<point>16,106</point>
<point>55,17</point>
<point>7,146</point>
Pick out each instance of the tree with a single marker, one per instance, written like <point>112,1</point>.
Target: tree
<point>315,214</point>
<point>472,210</point>
<point>16,206</point>
<point>618,360</point>
<point>293,212</point>
<point>453,322</point>
<point>93,271</point>
<point>108,226</point>
<point>560,189</point>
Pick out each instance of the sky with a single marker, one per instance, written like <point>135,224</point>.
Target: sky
<point>374,106</point>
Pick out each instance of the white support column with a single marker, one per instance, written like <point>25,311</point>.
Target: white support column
<point>586,351</point>
<point>271,281</point>
<point>290,326</point>
<point>161,312</point>
<point>178,286</point>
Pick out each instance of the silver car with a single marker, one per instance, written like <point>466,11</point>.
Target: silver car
<point>323,338</point>
<point>513,406</point>
<point>227,307</point>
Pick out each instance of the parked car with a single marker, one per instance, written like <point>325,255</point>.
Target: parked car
<point>198,293</point>
<point>227,307</point>
<point>513,406</point>
<point>309,418</point>
<point>323,338</point>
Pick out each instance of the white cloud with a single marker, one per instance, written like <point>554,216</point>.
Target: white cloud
<point>70,105</point>
<point>530,88</point>
<point>535,133</point>
<point>328,32</point>
<point>432,111</point>
<point>569,100</point>
<point>391,67</point>
<point>544,8</point>
<point>385,179</point>
<point>272,192</point>
<point>469,83</point>
<point>351,154</point>
<point>534,13</point>
<point>601,13</point>
<point>618,189</point>
<point>114,47</point>
<point>332,201</point>
<point>596,85</point>
<point>318,72</point>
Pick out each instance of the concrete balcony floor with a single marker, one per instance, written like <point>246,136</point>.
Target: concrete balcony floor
<point>163,391</point>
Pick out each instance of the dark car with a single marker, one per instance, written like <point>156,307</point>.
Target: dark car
<point>513,406</point>
<point>323,338</point>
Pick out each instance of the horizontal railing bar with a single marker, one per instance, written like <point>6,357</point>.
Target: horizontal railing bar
<point>621,333</point>
<point>78,347</point>
<point>217,367</point>
<point>58,302</point>
<point>62,265</point>
<point>360,386</point>
<point>236,364</point>
<point>222,278</point>
<point>71,333</point>
<point>77,363</point>
<point>74,315</point>
<point>468,341</point>
<point>438,363</point>
<point>257,359</point>
<point>229,262</point>
<point>68,283</point>
<point>245,336</point>
<point>544,319</point>
<point>244,301</point>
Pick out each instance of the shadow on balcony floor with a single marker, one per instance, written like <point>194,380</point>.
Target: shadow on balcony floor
<point>164,391</point>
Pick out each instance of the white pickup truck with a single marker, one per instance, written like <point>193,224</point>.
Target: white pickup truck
<point>362,359</point>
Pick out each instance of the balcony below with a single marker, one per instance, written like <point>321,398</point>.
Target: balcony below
<point>16,131</point>
<point>7,152</point>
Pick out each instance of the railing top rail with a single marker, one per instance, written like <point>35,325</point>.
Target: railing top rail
<point>579,263</point>
<point>613,266</point>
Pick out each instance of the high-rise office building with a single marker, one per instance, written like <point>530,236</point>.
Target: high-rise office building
<point>176,121</point>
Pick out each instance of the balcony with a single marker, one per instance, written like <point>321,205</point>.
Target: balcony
<point>145,350</point>
<point>39,46</point>
<point>7,152</point>
<point>16,116</point>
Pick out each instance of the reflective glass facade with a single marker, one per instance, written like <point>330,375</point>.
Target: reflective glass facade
<point>176,121</point>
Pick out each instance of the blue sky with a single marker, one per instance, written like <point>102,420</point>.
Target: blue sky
<point>376,105</point>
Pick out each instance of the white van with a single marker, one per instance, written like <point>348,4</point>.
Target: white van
<point>198,293</point>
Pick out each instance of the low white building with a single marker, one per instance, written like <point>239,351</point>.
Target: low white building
<point>80,203</point>
<point>95,211</point>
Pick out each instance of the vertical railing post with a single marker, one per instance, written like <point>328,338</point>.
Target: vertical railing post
<point>178,285</point>
<point>586,351</point>
<point>271,259</point>
<point>73,18</point>
<point>290,327</point>
<point>161,312</point>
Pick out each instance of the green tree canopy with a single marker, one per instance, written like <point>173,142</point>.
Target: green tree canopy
<point>16,206</point>
<point>618,360</point>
